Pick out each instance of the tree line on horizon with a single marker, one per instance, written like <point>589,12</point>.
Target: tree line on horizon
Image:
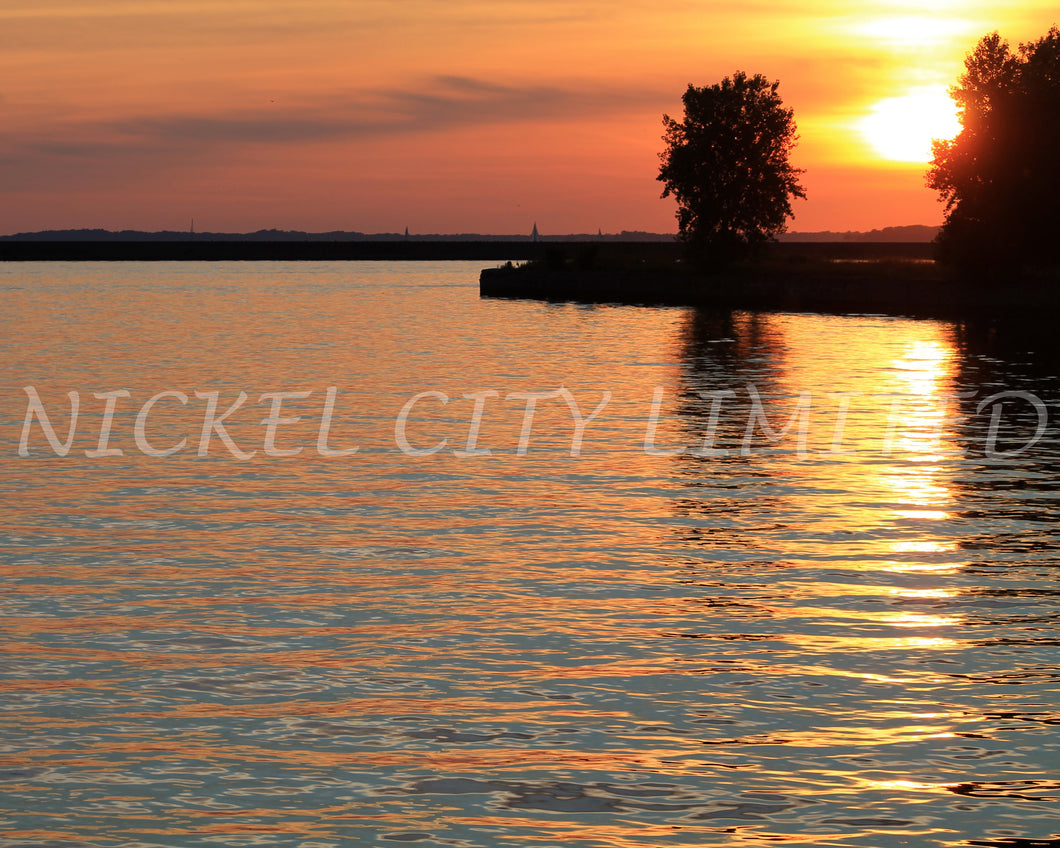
<point>727,163</point>
<point>905,233</point>
<point>274,235</point>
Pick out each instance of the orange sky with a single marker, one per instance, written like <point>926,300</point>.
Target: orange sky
<point>451,115</point>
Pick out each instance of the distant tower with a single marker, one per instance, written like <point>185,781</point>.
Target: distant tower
<point>533,235</point>
<point>406,232</point>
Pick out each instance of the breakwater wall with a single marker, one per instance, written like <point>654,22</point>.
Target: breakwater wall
<point>226,251</point>
<point>630,253</point>
<point>878,287</point>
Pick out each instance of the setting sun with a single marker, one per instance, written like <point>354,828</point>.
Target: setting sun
<point>902,128</point>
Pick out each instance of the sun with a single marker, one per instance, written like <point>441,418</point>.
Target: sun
<point>901,128</point>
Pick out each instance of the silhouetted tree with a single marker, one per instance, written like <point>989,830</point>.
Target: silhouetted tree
<point>1000,177</point>
<point>727,165</point>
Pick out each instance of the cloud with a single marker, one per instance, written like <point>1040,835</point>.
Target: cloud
<point>124,151</point>
<point>440,103</point>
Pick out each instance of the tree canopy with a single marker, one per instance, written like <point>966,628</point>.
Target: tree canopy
<point>1000,177</point>
<point>727,165</point>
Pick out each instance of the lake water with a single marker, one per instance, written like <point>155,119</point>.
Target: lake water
<point>505,620</point>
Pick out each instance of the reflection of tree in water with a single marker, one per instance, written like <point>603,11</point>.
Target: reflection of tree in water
<point>1013,499</point>
<point>1026,340</point>
<point>728,494</point>
<point>740,344</point>
<point>726,351</point>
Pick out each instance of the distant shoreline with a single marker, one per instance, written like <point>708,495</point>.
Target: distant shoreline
<point>905,233</point>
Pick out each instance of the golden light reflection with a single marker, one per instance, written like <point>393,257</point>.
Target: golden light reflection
<point>908,785</point>
<point>924,593</point>
<point>927,514</point>
<point>870,644</point>
<point>919,487</point>
<point>897,437</point>
<point>920,415</point>
<point>914,619</point>
<point>923,643</point>
<point>938,568</point>
<point>894,480</point>
<point>927,546</point>
<point>930,351</point>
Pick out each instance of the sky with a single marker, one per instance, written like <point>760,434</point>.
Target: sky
<point>457,116</point>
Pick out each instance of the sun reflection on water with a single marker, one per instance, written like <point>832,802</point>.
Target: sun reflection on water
<point>902,413</point>
<point>892,502</point>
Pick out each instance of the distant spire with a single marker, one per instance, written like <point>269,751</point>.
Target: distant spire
<point>406,231</point>
<point>533,235</point>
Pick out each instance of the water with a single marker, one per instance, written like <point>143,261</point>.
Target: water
<point>841,636</point>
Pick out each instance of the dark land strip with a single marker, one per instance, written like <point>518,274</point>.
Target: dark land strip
<point>253,251</point>
<point>604,254</point>
<point>841,277</point>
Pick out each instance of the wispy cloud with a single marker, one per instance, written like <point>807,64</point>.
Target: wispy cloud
<point>439,103</point>
<point>436,104</point>
<point>123,148</point>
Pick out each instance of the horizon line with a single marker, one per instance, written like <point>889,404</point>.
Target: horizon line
<point>922,232</point>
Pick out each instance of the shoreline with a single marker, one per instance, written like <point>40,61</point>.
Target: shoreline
<point>889,283</point>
